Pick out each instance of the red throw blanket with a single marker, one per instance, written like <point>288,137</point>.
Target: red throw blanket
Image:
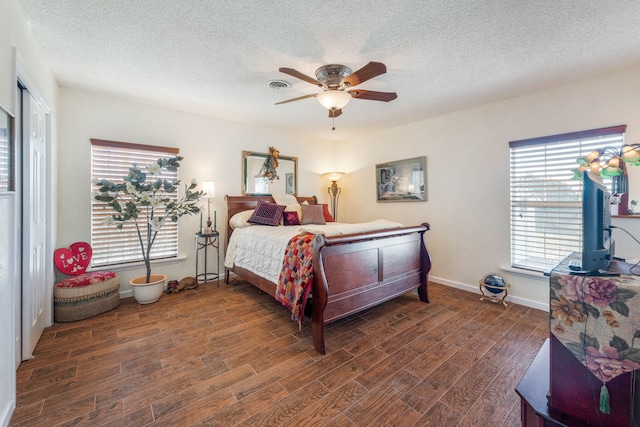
<point>296,276</point>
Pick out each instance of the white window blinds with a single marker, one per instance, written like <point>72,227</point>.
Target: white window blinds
<point>546,203</point>
<point>6,153</point>
<point>111,160</point>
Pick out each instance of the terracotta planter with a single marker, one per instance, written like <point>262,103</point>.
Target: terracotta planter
<point>146,293</point>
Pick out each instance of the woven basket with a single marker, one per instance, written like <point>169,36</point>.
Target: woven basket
<point>71,304</point>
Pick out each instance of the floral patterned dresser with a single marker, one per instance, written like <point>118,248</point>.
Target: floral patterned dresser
<point>595,344</point>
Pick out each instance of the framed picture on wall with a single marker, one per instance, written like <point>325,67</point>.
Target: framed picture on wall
<point>402,180</point>
<point>290,186</point>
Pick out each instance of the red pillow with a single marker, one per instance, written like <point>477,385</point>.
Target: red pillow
<point>86,279</point>
<point>327,214</point>
<point>73,260</point>
<point>290,218</point>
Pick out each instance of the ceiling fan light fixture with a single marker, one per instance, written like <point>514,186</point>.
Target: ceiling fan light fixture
<point>333,99</point>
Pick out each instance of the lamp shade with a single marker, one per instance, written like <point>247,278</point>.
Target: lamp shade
<point>209,189</point>
<point>614,162</point>
<point>595,154</point>
<point>630,153</point>
<point>333,98</point>
<point>334,176</point>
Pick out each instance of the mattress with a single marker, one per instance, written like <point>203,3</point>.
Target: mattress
<point>260,249</point>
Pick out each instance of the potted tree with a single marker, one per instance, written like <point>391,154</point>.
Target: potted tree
<point>143,198</point>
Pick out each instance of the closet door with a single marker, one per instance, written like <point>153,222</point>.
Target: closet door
<point>34,277</point>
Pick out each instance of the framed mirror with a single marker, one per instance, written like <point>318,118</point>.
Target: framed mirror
<point>254,184</point>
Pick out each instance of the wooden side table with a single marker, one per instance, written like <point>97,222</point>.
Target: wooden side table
<point>533,389</point>
<point>203,242</point>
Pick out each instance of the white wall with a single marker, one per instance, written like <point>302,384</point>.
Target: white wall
<point>7,314</point>
<point>211,149</point>
<point>468,174</point>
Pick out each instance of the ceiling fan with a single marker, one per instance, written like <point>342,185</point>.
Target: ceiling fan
<point>335,81</point>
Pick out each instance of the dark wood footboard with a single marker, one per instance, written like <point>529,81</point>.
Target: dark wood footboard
<point>353,272</point>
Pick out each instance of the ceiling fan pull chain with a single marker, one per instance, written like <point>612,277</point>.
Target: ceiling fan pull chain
<point>333,122</point>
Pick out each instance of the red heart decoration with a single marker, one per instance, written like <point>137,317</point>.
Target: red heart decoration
<point>73,260</point>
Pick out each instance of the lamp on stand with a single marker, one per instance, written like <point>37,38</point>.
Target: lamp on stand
<point>612,162</point>
<point>209,190</point>
<point>334,191</point>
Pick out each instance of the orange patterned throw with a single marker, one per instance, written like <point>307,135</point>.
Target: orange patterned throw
<point>296,276</point>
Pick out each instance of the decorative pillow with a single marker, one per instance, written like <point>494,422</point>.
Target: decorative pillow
<point>285,199</point>
<point>267,214</point>
<point>241,219</point>
<point>327,214</point>
<point>312,214</point>
<point>86,279</point>
<point>73,260</point>
<point>294,208</point>
<point>290,218</point>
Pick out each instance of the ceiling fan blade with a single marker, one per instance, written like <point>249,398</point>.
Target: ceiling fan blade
<point>297,99</point>
<point>369,71</point>
<point>373,95</point>
<point>335,113</point>
<point>299,75</point>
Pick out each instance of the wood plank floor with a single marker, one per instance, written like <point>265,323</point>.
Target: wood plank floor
<point>229,355</point>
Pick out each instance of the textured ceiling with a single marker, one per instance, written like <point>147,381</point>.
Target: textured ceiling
<point>217,57</point>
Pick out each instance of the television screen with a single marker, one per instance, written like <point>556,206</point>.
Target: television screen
<point>597,244</point>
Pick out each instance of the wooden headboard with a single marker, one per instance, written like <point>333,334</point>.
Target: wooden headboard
<point>237,204</point>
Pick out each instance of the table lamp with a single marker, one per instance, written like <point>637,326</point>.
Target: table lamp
<point>209,190</point>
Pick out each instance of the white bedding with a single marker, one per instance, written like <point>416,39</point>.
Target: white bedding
<point>260,249</point>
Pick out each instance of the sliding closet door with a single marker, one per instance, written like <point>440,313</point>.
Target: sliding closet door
<point>34,277</point>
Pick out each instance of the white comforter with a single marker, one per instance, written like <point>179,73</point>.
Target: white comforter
<point>260,249</point>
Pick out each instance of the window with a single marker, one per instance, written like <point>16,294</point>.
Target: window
<point>6,152</point>
<point>546,209</point>
<point>417,182</point>
<point>261,185</point>
<point>111,160</point>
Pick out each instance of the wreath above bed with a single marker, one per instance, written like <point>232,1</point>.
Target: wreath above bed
<point>270,165</point>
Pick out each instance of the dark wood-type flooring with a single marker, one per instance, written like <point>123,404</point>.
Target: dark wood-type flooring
<point>230,355</point>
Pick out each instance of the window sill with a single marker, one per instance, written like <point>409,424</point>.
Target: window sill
<point>529,274</point>
<point>138,264</point>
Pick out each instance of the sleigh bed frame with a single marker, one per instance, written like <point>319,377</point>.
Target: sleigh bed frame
<point>351,272</point>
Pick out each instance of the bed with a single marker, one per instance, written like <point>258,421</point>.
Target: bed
<point>352,272</point>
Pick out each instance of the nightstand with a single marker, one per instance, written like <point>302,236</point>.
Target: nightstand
<point>204,241</point>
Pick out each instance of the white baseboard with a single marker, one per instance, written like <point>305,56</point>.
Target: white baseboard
<point>462,286</point>
<point>7,411</point>
<point>474,289</point>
